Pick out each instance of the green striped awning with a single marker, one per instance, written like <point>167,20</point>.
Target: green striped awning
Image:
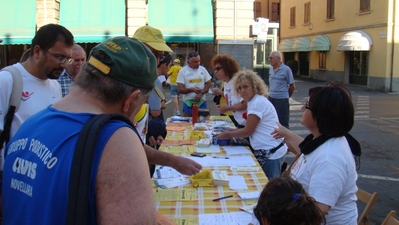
<point>18,24</point>
<point>182,20</point>
<point>320,43</point>
<point>92,21</point>
<point>301,44</point>
<point>285,45</point>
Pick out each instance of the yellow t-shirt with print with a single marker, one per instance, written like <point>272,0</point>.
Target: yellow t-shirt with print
<point>173,72</point>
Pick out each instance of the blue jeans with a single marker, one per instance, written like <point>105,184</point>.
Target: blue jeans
<point>282,107</point>
<point>272,167</point>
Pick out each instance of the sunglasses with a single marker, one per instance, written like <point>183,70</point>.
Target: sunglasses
<point>218,68</point>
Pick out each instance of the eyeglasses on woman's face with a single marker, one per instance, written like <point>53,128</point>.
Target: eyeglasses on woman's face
<point>218,68</point>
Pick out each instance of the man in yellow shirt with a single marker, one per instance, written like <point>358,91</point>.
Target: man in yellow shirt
<point>173,72</point>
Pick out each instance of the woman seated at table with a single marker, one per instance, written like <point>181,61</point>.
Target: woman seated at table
<point>261,121</point>
<point>326,165</point>
<point>284,202</point>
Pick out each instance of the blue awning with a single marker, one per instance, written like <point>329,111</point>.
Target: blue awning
<point>18,24</point>
<point>182,20</point>
<point>92,21</point>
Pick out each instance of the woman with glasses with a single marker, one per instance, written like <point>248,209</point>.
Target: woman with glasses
<point>326,164</point>
<point>261,121</point>
<point>284,202</point>
<point>225,67</point>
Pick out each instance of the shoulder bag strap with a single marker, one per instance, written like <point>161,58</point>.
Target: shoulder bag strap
<point>15,101</point>
<point>79,181</point>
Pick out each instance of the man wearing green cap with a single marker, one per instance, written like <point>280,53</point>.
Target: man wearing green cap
<point>118,77</point>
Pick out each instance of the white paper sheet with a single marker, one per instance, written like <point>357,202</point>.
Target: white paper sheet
<point>230,161</point>
<point>232,218</point>
<point>231,150</point>
<point>166,172</point>
<point>237,183</point>
<point>209,149</point>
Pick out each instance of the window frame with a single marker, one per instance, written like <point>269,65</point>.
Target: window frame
<point>306,15</point>
<point>322,60</point>
<point>292,16</point>
<point>364,6</point>
<point>330,10</point>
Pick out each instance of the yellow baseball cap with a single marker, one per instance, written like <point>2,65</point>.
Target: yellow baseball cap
<point>176,61</point>
<point>152,37</point>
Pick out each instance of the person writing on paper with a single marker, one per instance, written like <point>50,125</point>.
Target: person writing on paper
<point>284,202</point>
<point>261,121</point>
<point>225,67</point>
<point>326,165</point>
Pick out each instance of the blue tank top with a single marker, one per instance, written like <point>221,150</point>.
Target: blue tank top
<point>38,164</point>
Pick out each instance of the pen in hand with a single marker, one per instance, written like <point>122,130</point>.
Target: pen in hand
<point>217,199</point>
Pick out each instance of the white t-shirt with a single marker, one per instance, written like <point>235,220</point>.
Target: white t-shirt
<point>329,175</point>
<point>232,98</point>
<point>161,78</point>
<point>193,78</point>
<point>262,138</point>
<point>37,94</point>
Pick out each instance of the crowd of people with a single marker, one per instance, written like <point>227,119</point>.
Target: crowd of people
<point>120,75</point>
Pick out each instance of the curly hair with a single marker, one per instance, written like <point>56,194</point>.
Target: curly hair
<point>284,202</point>
<point>258,84</point>
<point>228,63</point>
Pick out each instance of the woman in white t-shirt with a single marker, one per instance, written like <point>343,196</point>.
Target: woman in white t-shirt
<point>326,165</point>
<point>261,121</point>
<point>225,67</point>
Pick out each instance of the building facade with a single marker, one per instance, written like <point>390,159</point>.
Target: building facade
<point>346,41</point>
<point>187,26</point>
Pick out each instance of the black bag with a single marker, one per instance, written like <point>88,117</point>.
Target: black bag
<point>79,181</point>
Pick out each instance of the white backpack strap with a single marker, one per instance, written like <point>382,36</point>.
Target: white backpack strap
<point>16,94</point>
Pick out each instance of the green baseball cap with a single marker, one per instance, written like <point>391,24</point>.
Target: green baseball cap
<point>133,63</point>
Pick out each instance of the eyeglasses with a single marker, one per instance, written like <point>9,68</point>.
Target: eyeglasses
<point>270,58</point>
<point>218,68</point>
<point>306,106</point>
<point>61,59</point>
<point>192,54</point>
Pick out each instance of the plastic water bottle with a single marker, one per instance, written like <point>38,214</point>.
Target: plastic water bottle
<point>195,114</point>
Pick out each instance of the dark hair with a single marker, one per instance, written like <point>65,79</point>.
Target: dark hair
<point>228,63</point>
<point>49,34</point>
<point>332,108</point>
<point>166,58</point>
<point>284,202</point>
<point>104,88</point>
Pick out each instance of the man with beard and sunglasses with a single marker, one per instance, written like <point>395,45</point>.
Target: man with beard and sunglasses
<point>51,51</point>
<point>69,74</point>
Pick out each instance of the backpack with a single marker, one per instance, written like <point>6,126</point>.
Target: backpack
<point>15,101</point>
<point>79,181</point>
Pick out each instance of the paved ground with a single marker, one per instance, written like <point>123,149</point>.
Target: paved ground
<point>376,128</point>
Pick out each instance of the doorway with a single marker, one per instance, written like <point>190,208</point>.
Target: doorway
<point>358,67</point>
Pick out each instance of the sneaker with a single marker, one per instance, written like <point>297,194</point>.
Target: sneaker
<point>176,113</point>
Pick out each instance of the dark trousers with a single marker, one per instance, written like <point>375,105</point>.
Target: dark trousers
<point>282,107</point>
